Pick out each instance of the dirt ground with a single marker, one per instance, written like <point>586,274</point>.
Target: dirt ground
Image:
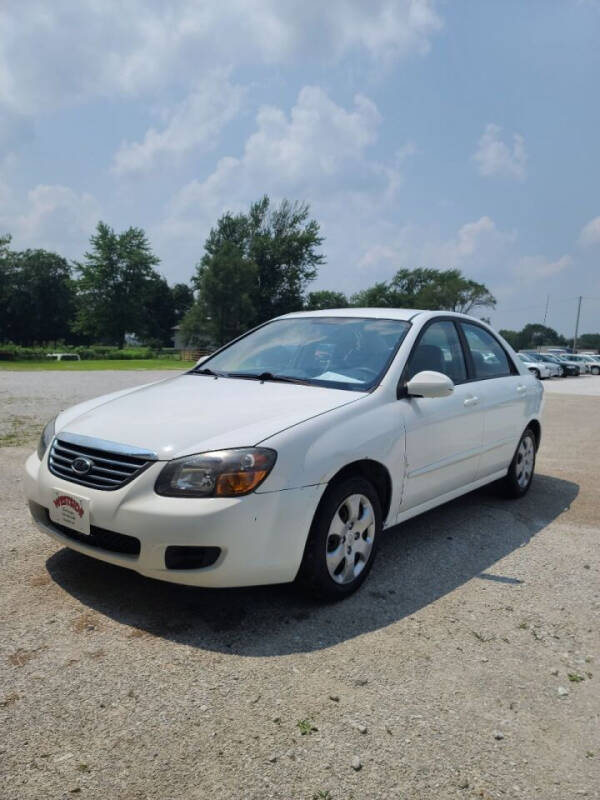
<point>468,665</point>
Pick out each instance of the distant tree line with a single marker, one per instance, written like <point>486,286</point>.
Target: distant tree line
<point>114,290</point>
<point>255,265</point>
<point>535,335</point>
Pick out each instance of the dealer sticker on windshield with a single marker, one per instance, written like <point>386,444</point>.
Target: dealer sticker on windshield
<point>70,510</point>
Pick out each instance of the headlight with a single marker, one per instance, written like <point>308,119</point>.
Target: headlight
<point>45,439</point>
<point>222,473</point>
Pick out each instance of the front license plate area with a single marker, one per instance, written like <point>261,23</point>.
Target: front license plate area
<point>70,510</point>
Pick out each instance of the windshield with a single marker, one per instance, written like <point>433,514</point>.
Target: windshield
<point>337,352</point>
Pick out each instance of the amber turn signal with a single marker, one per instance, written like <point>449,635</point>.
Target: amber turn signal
<point>233,483</point>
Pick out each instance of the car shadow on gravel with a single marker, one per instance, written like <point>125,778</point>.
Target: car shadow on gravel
<point>418,562</point>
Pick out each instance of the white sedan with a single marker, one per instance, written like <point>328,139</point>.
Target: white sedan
<point>538,368</point>
<point>283,455</point>
<point>590,364</point>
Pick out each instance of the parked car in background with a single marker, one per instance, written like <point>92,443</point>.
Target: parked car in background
<point>573,361</point>
<point>537,368</point>
<point>561,369</point>
<point>63,356</point>
<point>569,367</point>
<point>593,361</point>
<point>283,455</point>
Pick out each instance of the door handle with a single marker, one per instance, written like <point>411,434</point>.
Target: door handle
<point>471,401</point>
<point>521,388</point>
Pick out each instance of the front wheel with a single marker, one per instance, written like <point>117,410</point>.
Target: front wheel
<point>595,370</point>
<point>520,472</point>
<point>342,541</point>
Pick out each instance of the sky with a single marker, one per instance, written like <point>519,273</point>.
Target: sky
<point>421,132</point>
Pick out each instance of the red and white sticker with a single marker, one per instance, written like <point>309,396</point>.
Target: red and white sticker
<point>70,510</point>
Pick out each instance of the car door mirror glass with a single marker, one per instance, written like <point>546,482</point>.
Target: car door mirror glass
<point>429,384</point>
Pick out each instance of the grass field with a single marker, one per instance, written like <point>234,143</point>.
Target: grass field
<point>84,366</point>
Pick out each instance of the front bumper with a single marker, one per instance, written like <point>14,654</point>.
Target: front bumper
<point>261,536</point>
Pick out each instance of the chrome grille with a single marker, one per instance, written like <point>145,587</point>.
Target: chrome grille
<point>112,464</point>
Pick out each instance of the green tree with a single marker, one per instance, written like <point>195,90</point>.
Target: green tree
<point>255,266</point>
<point>226,283</point>
<point>323,299</point>
<point>533,335</point>
<point>44,298</point>
<point>37,298</point>
<point>429,289</point>
<point>114,278</point>
<point>283,243</point>
<point>183,300</point>
<point>512,337</point>
<point>158,318</point>
<point>589,341</point>
<point>7,284</point>
<point>377,296</point>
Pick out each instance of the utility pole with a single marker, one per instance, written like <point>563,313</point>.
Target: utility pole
<point>545,317</point>
<point>547,306</point>
<point>577,324</point>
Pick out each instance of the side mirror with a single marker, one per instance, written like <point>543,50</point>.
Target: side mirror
<point>429,384</point>
<point>201,360</point>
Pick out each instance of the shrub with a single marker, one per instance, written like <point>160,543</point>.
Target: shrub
<point>13,352</point>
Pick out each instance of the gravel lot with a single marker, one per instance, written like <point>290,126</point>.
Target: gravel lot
<point>466,667</point>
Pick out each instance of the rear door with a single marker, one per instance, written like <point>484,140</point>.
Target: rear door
<point>444,434</point>
<point>503,392</point>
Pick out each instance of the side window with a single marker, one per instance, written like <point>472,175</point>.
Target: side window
<point>489,358</point>
<point>439,349</point>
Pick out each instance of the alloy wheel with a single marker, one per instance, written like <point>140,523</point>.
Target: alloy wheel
<point>525,461</point>
<point>350,538</point>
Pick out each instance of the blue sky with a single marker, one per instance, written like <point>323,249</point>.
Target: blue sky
<point>422,133</point>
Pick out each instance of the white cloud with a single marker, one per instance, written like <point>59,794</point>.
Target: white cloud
<point>196,122</point>
<point>478,244</point>
<point>590,233</point>
<point>494,157</point>
<point>60,52</point>
<point>316,150</point>
<point>537,268</point>
<point>471,239</point>
<point>54,217</point>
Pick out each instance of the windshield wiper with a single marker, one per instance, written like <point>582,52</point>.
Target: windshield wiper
<point>266,376</point>
<point>207,371</point>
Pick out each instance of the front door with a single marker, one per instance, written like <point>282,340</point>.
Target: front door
<point>443,435</point>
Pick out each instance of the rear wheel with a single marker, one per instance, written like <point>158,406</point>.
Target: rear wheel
<point>342,541</point>
<point>520,472</point>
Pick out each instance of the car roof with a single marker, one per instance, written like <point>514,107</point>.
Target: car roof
<point>405,314</point>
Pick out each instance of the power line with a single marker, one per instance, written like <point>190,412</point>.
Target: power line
<point>542,305</point>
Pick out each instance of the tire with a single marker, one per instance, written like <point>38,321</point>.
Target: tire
<point>520,473</point>
<point>595,370</point>
<point>333,566</point>
<point>536,374</point>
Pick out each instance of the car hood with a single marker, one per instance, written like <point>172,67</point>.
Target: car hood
<point>195,413</point>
